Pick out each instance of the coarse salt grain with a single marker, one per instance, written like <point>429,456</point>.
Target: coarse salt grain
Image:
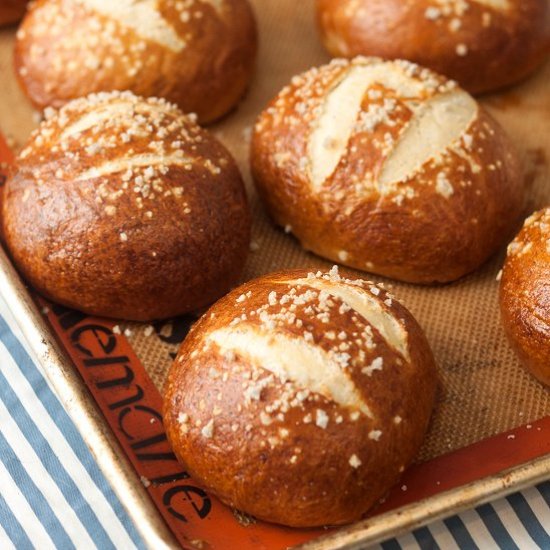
<point>374,366</point>
<point>375,435</point>
<point>208,430</point>
<point>432,13</point>
<point>343,256</point>
<point>146,483</point>
<point>321,419</point>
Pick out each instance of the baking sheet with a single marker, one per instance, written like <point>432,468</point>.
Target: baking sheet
<point>484,391</point>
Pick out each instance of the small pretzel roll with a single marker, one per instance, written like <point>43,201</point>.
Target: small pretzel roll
<point>389,168</point>
<point>300,398</point>
<point>525,295</point>
<point>483,44</point>
<point>124,207</point>
<point>199,54</point>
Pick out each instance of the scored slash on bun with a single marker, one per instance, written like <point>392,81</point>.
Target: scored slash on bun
<point>124,207</point>
<point>483,44</point>
<point>388,168</point>
<point>300,398</point>
<point>525,294</point>
<point>199,54</point>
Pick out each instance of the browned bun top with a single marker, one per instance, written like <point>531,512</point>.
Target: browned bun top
<point>124,207</point>
<point>483,44</point>
<point>525,294</point>
<point>198,54</point>
<point>300,398</point>
<point>387,167</point>
<point>11,11</point>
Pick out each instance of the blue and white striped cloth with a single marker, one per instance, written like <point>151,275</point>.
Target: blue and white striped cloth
<point>518,522</point>
<point>52,494</point>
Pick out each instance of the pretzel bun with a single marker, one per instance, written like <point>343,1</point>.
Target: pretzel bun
<point>389,168</point>
<point>300,398</point>
<point>525,294</point>
<point>198,54</point>
<point>483,44</point>
<point>124,207</point>
<point>11,11</point>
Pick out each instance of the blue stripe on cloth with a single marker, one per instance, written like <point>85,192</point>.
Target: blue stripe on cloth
<point>55,468</point>
<point>544,490</point>
<point>12,527</point>
<point>495,526</point>
<point>391,545</point>
<point>74,439</point>
<point>425,539</point>
<point>462,527</point>
<point>529,520</point>
<point>459,532</point>
<point>33,495</point>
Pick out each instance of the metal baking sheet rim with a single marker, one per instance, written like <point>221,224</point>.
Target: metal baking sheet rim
<point>74,395</point>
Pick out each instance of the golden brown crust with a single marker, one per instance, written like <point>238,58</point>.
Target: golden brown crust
<point>297,403</point>
<point>11,11</point>
<point>525,295</point>
<point>199,54</point>
<point>434,223</point>
<point>121,207</point>
<point>480,44</point>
